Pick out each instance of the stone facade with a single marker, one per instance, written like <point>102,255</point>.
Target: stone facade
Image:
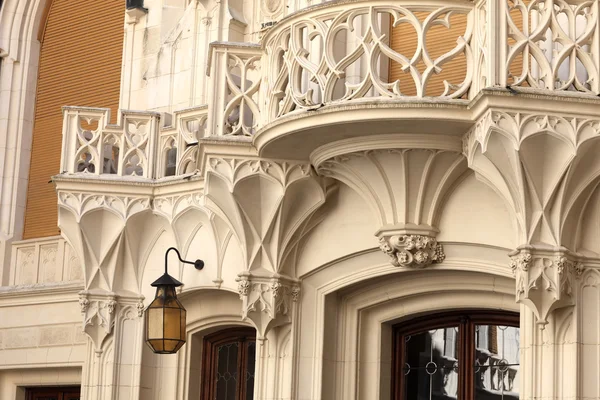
<point>327,206</point>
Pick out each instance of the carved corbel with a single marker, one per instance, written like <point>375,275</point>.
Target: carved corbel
<point>412,251</point>
<point>545,280</point>
<point>98,311</point>
<point>267,302</point>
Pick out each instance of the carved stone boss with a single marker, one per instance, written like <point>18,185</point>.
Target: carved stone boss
<point>412,251</point>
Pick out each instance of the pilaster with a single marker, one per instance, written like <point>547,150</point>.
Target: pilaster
<point>559,292</point>
<point>115,329</point>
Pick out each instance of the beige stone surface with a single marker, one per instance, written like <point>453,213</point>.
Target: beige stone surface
<point>326,204</point>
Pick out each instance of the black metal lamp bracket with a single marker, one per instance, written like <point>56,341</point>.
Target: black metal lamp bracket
<point>198,264</point>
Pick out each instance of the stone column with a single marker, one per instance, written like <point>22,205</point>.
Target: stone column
<point>270,304</point>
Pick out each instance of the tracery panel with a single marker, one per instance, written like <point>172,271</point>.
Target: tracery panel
<point>552,44</point>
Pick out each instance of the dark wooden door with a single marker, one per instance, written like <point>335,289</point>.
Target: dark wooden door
<point>54,393</point>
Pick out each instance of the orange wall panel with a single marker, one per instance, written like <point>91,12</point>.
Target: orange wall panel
<point>80,65</point>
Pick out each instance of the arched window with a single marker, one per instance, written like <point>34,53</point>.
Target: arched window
<point>228,362</point>
<point>468,355</point>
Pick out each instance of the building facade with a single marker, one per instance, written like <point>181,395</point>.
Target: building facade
<point>393,199</point>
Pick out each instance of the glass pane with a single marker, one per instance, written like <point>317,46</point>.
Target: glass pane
<point>172,323</point>
<point>154,321</point>
<point>496,362</point>
<point>227,361</point>
<point>431,365</point>
<point>250,364</point>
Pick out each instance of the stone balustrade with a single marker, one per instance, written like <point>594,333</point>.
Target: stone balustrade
<point>137,146</point>
<point>341,52</point>
<point>42,261</point>
<point>235,80</point>
<point>93,146</point>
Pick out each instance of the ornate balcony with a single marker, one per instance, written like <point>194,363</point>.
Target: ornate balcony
<point>354,69</point>
<point>338,56</point>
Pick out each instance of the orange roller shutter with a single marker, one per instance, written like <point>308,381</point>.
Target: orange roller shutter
<point>80,64</point>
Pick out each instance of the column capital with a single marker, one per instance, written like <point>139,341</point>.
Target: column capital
<point>545,279</point>
<point>267,301</point>
<point>100,310</point>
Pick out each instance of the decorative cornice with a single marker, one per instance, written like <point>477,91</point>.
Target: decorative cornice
<point>82,203</point>
<point>412,251</point>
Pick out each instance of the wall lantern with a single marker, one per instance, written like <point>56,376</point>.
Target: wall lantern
<point>165,316</point>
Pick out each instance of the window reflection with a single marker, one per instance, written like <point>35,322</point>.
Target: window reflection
<point>431,364</point>
<point>467,356</point>
<point>496,362</point>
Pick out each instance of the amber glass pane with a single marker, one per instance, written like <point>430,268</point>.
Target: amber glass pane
<point>172,323</point>
<point>173,345</point>
<point>431,365</point>
<point>227,375</point>
<point>154,320</point>
<point>496,362</point>
<point>156,344</point>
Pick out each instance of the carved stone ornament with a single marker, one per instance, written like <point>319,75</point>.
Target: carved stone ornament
<point>99,313</point>
<point>267,302</point>
<point>140,308</point>
<point>412,251</point>
<point>545,281</point>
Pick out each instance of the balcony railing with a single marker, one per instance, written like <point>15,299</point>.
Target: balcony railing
<point>135,147</point>
<point>42,261</point>
<point>91,145</point>
<point>341,52</point>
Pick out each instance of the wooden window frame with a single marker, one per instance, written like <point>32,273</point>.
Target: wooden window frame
<point>58,391</point>
<point>466,321</point>
<point>210,358</point>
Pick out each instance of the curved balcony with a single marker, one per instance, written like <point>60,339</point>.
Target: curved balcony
<point>374,67</point>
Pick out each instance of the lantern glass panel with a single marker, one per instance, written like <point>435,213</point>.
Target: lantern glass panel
<point>157,345</point>
<point>172,323</point>
<point>155,323</point>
